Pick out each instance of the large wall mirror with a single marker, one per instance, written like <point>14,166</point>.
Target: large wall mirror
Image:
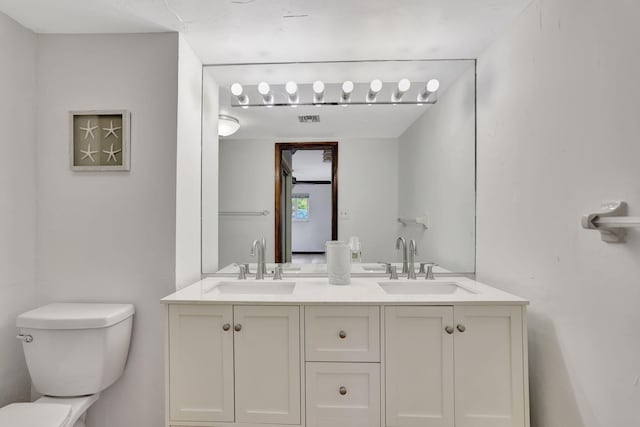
<point>360,151</point>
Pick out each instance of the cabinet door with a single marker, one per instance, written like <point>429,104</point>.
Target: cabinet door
<point>343,394</point>
<point>267,356</point>
<point>200,363</point>
<point>489,367</point>
<point>419,366</point>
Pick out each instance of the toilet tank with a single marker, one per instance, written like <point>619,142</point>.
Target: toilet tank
<point>75,349</point>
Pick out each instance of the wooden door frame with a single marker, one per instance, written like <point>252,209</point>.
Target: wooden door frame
<point>283,146</point>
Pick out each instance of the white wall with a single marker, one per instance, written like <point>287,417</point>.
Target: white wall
<point>367,191</point>
<point>17,200</point>
<point>210,178</point>
<point>311,235</point>
<point>437,178</point>
<point>110,236</point>
<point>558,133</point>
<point>188,167</point>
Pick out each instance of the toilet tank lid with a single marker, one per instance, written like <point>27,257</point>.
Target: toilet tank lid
<point>34,414</point>
<point>75,316</point>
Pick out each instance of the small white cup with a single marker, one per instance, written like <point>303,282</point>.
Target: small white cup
<point>338,262</point>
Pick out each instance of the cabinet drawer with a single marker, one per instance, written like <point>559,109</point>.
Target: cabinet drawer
<point>342,334</point>
<point>343,394</point>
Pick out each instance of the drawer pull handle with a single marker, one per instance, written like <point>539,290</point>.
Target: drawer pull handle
<point>226,327</point>
<point>342,334</point>
<point>449,329</point>
<point>238,327</point>
<point>461,328</point>
<point>343,390</point>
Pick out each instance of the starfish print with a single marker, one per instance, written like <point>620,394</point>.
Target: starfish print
<point>111,154</point>
<point>88,153</point>
<point>89,130</point>
<point>111,130</point>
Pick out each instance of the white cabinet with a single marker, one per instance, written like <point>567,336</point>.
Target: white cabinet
<point>369,366</point>
<point>267,356</point>
<point>343,394</point>
<point>419,366</point>
<point>200,363</point>
<point>464,364</point>
<point>489,378</point>
<point>264,385</point>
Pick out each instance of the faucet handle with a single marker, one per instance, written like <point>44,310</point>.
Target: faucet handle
<point>429,273</point>
<point>277,272</point>
<point>246,268</point>
<point>242,272</point>
<point>393,272</point>
<point>422,264</point>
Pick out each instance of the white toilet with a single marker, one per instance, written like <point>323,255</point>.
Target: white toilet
<point>73,352</point>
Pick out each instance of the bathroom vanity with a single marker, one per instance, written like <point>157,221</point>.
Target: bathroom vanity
<point>443,353</point>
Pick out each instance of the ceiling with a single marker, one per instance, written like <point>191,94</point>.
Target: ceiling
<point>309,166</point>
<point>354,121</point>
<point>233,31</point>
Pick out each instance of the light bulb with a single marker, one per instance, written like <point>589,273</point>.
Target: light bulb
<point>403,86</point>
<point>347,89</point>
<point>265,91</point>
<point>374,87</point>
<point>433,85</point>
<point>318,91</point>
<point>236,89</point>
<point>291,88</point>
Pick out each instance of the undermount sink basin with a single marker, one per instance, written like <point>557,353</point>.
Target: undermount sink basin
<point>422,287</point>
<point>248,288</point>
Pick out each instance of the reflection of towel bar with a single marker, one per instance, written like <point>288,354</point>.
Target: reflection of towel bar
<point>612,221</point>
<point>422,220</point>
<point>244,213</point>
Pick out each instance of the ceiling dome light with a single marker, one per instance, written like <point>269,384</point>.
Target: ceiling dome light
<point>227,125</point>
<point>403,86</point>
<point>237,91</point>
<point>374,87</point>
<point>430,88</point>
<point>347,90</point>
<point>265,91</point>
<point>318,91</point>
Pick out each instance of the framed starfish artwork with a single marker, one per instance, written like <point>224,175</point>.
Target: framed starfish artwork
<point>99,140</point>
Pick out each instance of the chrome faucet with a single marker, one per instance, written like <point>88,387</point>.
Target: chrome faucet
<point>264,255</point>
<point>257,250</point>
<point>403,243</point>
<point>412,253</point>
<point>429,273</point>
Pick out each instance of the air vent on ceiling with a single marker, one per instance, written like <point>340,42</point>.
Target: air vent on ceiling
<point>309,119</point>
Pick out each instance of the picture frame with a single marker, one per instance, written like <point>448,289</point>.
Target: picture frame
<point>99,140</point>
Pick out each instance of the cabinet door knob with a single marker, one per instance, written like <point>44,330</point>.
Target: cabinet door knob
<point>343,390</point>
<point>461,328</point>
<point>238,327</point>
<point>342,334</point>
<point>226,327</point>
<point>449,329</point>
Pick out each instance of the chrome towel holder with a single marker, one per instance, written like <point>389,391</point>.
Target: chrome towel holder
<point>611,221</point>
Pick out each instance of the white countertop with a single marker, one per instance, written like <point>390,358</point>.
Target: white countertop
<point>312,290</point>
<point>310,270</point>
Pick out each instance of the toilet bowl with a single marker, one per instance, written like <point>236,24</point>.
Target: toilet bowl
<point>73,352</point>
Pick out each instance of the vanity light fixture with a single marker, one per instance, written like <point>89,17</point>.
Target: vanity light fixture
<point>430,88</point>
<point>292,92</point>
<point>318,92</point>
<point>227,125</point>
<point>403,86</point>
<point>374,87</point>
<point>347,90</point>
<point>265,91</point>
<point>238,91</point>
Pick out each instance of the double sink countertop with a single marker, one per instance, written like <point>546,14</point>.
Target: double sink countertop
<point>362,290</point>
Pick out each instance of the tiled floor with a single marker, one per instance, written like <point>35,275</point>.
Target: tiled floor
<point>308,259</point>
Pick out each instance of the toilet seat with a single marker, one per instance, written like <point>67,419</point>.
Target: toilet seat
<point>35,415</point>
<point>78,406</point>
